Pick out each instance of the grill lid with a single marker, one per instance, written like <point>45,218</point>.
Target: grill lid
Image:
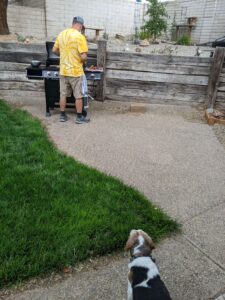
<point>52,58</point>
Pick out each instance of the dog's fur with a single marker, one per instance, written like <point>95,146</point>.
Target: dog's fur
<point>144,282</point>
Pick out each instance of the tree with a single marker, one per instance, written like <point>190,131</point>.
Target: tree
<point>157,22</point>
<point>3,17</point>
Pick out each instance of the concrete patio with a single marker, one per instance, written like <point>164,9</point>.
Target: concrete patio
<point>179,164</point>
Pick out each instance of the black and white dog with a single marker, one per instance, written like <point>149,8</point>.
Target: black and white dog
<point>144,282</point>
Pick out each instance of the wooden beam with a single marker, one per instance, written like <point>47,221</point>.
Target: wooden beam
<point>22,85</point>
<point>158,59</point>
<point>215,72</point>
<point>101,62</point>
<point>13,76</point>
<point>149,100</point>
<point>27,56</point>
<point>11,66</point>
<point>159,68</point>
<point>22,97</point>
<point>157,86</point>
<point>157,95</point>
<point>157,77</point>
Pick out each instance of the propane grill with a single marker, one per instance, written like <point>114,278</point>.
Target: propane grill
<point>50,74</point>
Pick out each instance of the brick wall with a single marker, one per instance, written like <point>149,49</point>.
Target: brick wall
<point>26,21</point>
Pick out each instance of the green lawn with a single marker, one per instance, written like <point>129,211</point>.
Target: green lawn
<point>55,211</point>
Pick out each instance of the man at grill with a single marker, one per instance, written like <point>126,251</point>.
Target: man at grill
<point>72,48</point>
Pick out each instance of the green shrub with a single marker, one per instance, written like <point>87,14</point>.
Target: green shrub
<point>144,35</point>
<point>184,40</point>
<point>157,19</point>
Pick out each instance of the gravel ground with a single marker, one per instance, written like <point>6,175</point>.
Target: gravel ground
<point>119,45</point>
<point>163,48</point>
<point>219,131</point>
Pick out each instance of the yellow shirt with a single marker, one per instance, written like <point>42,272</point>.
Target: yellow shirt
<point>71,43</point>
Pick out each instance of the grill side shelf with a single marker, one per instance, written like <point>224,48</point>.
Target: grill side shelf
<point>34,73</point>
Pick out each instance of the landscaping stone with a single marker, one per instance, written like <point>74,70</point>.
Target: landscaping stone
<point>138,108</point>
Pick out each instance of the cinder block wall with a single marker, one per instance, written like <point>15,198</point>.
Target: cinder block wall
<point>115,16</point>
<point>209,13</point>
<point>26,21</point>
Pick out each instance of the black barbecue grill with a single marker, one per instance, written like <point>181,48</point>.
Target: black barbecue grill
<point>50,74</point>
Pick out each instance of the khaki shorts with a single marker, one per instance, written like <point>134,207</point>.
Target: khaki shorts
<point>69,85</point>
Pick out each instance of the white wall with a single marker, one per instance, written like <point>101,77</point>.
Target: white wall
<point>209,13</point>
<point>114,16</point>
<point>26,21</point>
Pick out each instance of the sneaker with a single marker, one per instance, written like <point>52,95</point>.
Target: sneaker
<point>63,118</point>
<point>82,120</point>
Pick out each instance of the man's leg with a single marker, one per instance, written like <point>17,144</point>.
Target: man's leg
<point>79,106</point>
<point>62,103</point>
<point>76,84</point>
<point>81,114</point>
<point>65,90</point>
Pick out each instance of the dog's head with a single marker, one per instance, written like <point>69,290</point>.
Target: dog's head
<point>139,243</point>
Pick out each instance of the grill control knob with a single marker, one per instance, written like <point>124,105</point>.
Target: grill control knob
<point>56,74</point>
<point>48,73</point>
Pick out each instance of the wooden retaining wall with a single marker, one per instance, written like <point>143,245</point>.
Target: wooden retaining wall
<point>128,76</point>
<point>14,59</point>
<point>157,78</point>
<point>216,86</point>
<point>220,99</point>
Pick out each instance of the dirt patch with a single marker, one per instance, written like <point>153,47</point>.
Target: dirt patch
<point>124,45</point>
<point>162,48</point>
<point>16,38</point>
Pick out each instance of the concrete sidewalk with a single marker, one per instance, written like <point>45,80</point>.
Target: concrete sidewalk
<point>180,166</point>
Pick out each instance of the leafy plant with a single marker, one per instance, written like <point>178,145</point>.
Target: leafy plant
<point>157,23</point>
<point>21,38</point>
<point>144,35</point>
<point>184,40</point>
<point>105,35</point>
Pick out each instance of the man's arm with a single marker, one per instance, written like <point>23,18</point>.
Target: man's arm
<point>83,49</point>
<point>83,57</point>
<point>56,50</point>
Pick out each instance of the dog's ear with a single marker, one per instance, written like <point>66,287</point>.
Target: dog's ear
<point>131,240</point>
<point>147,238</point>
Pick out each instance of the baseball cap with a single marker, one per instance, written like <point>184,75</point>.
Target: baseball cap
<point>79,20</point>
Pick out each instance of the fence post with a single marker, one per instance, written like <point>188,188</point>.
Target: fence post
<point>215,71</point>
<point>101,62</point>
